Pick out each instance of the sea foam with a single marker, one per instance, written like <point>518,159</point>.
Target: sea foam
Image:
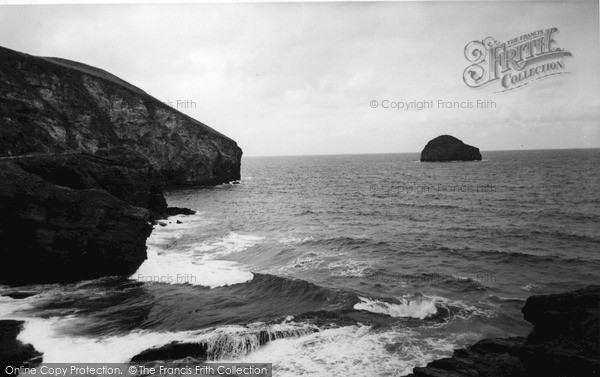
<point>411,309</point>
<point>170,263</point>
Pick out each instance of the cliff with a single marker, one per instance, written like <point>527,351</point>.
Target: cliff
<point>51,105</point>
<point>65,234</point>
<point>565,342</point>
<point>449,148</point>
<point>84,157</point>
<point>122,172</point>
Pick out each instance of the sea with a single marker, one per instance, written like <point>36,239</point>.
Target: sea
<point>354,265</point>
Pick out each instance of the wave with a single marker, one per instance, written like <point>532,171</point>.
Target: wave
<point>350,268</point>
<point>531,287</point>
<point>422,307</point>
<point>291,240</point>
<point>226,342</point>
<point>565,236</point>
<point>459,283</point>
<point>171,267</point>
<point>411,309</point>
<point>170,263</point>
<point>356,350</point>
<point>229,244</point>
<point>344,242</point>
<point>514,257</point>
<point>500,299</point>
<point>229,342</point>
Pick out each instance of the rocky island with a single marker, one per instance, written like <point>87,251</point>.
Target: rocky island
<point>565,342</point>
<point>84,158</point>
<point>449,148</point>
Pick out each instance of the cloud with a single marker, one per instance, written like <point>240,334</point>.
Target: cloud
<point>297,78</point>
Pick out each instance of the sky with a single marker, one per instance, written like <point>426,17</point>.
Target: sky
<point>302,78</point>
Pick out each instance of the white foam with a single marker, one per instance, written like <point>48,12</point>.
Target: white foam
<point>351,351</point>
<point>411,309</point>
<point>350,268</point>
<point>172,267</point>
<point>234,341</point>
<point>170,263</point>
<point>291,240</point>
<point>465,311</point>
<point>308,262</point>
<point>173,232</point>
<point>48,336</point>
<point>530,287</point>
<point>232,243</point>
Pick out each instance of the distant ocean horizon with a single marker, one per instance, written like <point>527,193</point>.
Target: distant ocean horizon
<point>483,151</point>
<point>344,264</point>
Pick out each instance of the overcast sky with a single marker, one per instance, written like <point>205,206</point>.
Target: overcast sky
<point>298,78</point>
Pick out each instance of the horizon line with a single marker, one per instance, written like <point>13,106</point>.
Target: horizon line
<point>382,153</point>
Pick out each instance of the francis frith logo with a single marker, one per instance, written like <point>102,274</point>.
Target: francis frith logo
<point>514,63</point>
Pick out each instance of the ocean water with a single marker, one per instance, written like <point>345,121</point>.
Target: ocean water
<point>365,265</point>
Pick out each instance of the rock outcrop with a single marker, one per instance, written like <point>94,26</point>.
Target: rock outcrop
<point>120,171</point>
<point>51,105</point>
<point>449,148</point>
<point>12,351</point>
<point>84,157</point>
<point>222,346</point>
<point>565,342</point>
<point>64,233</point>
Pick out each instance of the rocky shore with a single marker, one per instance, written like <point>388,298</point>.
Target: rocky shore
<point>84,159</point>
<point>448,148</point>
<point>565,342</point>
<point>65,234</point>
<point>12,351</point>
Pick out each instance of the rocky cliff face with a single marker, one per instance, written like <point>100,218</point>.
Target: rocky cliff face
<point>565,342</point>
<point>50,105</point>
<point>449,148</point>
<point>65,234</point>
<point>122,172</point>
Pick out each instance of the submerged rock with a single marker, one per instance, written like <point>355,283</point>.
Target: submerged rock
<point>449,148</point>
<point>565,342</point>
<point>65,234</point>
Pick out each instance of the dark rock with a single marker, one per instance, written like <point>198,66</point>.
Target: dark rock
<point>218,347</point>
<point>179,222</point>
<point>162,223</point>
<point>121,171</point>
<point>565,342</point>
<point>12,351</point>
<point>52,105</point>
<point>173,211</point>
<point>566,320</point>
<point>66,234</point>
<point>173,351</point>
<point>19,295</point>
<point>449,148</point>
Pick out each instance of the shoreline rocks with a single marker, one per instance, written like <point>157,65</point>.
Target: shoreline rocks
<point>565,342</point>
<point>448,148</point>
<point>84,159</point>
<point>121,171</point>
<point>66,234</point>
<point>12,351</point>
